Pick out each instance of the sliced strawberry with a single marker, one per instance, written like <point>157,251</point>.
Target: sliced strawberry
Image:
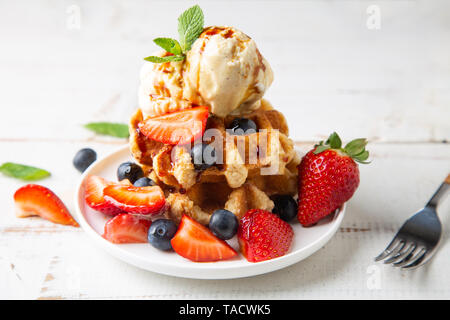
<point>94,196</point>
<point>126,228</point>
<point>197,243</point>
<point>137,200</point>
<point>125,182</point>
<point>36,200</point>
<point>178,127</point>
<point>262,235</point>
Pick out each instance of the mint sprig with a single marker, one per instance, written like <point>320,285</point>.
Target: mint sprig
<point>23,172</point>
<point>356,149</point>
<point>156,59</point>
<point>170,45</point>
<point>190,26</point>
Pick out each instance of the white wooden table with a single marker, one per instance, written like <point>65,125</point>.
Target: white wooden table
<point>334,70</point>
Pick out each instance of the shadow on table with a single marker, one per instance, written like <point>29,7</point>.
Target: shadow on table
<point>345,264</point>
<point>343,268</point>
<point>330,264</point>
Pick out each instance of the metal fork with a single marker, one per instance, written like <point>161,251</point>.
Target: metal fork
<point>418,238</point>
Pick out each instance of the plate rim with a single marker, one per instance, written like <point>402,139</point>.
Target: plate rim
<point>225,272</point>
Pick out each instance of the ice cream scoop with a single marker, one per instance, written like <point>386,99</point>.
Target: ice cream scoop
<point>223,70</point>
<point>160,90</point>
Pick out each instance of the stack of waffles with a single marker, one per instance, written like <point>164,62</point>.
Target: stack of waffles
<point>248,170</point>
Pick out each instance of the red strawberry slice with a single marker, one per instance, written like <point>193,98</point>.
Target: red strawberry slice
<point>94,196</point>
<point>125,182</point>
<point>37,200</point>
<point>126,228</point>
<point>137,200</point>
<point>178,127</point>
<point>197,243</point>
<point>263,235</point>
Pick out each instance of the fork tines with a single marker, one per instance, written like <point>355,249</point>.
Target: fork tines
<point>404,254</point>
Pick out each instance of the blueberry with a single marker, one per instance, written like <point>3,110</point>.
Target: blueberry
<point>203,156</point>
<point>161,232</point>
<point>144,182</point>
<point>84,158</point>
<point>241,126</point>
<point>285,207</point>
<point>130,171</point>
<point>223,224</point>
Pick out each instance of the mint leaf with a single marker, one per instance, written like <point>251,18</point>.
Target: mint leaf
<point>23,172</point>
<point>156,59</point>
<point>170,45</point>
<point>118,130</point>
<point>190,26</point>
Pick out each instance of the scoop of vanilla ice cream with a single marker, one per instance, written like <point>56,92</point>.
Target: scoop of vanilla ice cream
<point>226,71</point>
<point>223,70</point>
<point>160,90</point>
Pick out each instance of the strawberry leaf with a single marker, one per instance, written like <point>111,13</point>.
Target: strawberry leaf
<point>321,148</point>
<point>355,147</point>
<point>362,157</point>
<point>334,141</point>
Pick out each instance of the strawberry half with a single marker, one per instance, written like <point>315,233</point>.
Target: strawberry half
<point>137,200</point>
<point>94,196</point>
<point>328,177</point>
<point>263,235</point>
<point>37,200</point>
<point>126,228</point>
<point>197,243</point>
<point>178,127</point>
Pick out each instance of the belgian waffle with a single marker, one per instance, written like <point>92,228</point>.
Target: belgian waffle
<point>254,167</point>
<point>203,199</point>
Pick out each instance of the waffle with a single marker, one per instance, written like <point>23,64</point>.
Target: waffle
<point>203,199</point>
<point>255,166</point>
<point>172,164</point>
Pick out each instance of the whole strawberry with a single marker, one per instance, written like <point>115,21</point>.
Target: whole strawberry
<point>328,177</point>
<point>263,235</point>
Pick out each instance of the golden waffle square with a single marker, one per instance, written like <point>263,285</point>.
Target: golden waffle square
<point>204,198</point>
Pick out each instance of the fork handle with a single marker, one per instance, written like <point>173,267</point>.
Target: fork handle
<point>440,193</point>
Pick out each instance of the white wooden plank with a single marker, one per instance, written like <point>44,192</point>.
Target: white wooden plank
<point>332,73</point>
<point>58,262</point>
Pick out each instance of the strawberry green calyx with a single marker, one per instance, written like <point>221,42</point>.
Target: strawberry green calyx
<point>356,149</point>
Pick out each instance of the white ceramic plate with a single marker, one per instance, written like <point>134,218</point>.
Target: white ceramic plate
<point>306,240</point>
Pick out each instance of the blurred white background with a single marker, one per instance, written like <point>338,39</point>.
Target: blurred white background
<point>336,67</point>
